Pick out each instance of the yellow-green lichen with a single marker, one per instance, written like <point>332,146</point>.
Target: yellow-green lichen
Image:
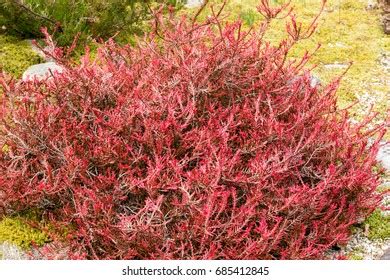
<point>16,55</point>
<point>15,230</point>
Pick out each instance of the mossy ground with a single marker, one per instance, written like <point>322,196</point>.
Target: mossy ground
<point>378,226</point>
<point>16,230</point>
<point>356,255</point>
<point>378,223</point>
<point>16,55</point>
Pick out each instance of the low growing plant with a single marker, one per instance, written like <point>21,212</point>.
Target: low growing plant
<point>16,231</point>
<point>203,141</point>
<point>16,56</point>
<point>378,225</point>
<point>93,19</point>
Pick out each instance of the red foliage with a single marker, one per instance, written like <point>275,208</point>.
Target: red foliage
<point>204,142</point>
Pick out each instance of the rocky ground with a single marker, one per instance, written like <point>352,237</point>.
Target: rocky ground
<point>361,246</point>
<point>9,251</point>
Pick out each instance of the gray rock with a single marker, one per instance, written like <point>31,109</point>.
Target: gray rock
<point>386,255</point>
<point>314,81</point>
<point>9,251</point>
<point>41,71</point>
<point>194,3</point>
<point>41,52</point>
<point>383,156</point>
<point>336,65</point>
<point>386,24</point>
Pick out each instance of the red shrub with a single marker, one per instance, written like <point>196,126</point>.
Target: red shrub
<point>207,143</point>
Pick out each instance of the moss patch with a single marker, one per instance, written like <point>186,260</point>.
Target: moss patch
<point>355,257</point>
<point>18,232</point>
<point>378,226</point>
<point>16,55</point>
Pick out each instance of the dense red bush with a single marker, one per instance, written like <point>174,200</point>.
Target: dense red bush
<point>202,142</point>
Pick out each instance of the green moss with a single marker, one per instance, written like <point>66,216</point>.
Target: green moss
<point>378,225</point>
<point>355,257</point>
<point>15,230</point>
<point>16,56</point>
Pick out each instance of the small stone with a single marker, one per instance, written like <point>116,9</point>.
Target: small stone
<point>314,81</point>
<point>372,5</point>
<point>42,52</point>
<point>386,255</point>
<point>337,45</point>
<point>336,66</point>
<point>340,45</point>
<point>41,71</point>
<point>387,28</point>
<point>383,156</point>
<point>386,22</point>
<point>194,3</point>
<point>366,230</point>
